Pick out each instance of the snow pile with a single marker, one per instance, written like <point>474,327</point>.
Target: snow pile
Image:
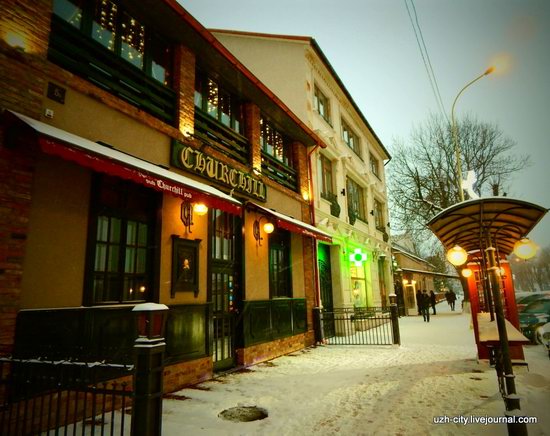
<point>365,390</point>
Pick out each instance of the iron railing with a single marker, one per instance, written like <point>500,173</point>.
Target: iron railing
<point>63,397</point>
<point>361,326</point>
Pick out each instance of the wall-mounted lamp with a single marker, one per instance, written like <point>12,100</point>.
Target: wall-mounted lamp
<point>343,191</point>
<point>186,213</point>
<point>268,228</point>
<point>525,248</point>
<point>457,255</point>
<point>372,212</point>
<point>15,40</point>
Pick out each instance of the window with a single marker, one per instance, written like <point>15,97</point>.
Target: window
<point>69,10</point>
<point>102,42</point>
<point>321,103</point>
<point>280,283</point>
<point>350,139</point>
<point>379,215</point>
<point>356,201</point>
<point>107,23</point>
<point>120,262</point>
<point>274,143</point>
<point>218,103</point>
<point>325,174</point>
<point>374,165</point>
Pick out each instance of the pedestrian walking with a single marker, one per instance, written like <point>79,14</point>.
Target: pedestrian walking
<point>452,299</point>
<point>419,301</point>
<point>425,306</point>
<point>432,301</point>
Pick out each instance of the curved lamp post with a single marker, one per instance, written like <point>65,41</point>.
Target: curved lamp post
<point>455,135</point>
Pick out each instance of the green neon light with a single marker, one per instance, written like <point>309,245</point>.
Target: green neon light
<point>358,257</point>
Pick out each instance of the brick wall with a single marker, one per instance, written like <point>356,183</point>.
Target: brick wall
<point>252,132</point>
<point>270,350</point>
<point>184,374</point>
<point>185,79</point>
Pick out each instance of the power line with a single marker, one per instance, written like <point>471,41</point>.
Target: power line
<point>426,58</point>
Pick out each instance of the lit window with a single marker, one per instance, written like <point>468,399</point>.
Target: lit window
<point>273,143</point>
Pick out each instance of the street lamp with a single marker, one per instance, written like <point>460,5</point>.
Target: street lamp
<point>455,135</point>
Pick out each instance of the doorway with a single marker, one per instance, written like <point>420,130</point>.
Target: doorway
<point>225,286</point>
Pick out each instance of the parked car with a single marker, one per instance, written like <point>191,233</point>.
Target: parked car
<point>524,300</point>
<point>542,336</point>
<point>533,316</point>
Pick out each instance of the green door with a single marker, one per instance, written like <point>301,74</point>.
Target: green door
<point>224,286</point>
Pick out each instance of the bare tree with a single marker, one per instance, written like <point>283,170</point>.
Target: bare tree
<point>422,173</point>
<point>534,274</point>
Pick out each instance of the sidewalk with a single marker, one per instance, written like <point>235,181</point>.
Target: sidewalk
<point>368,390</point>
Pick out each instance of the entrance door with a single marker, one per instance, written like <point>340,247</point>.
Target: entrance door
<point>224,286</point>
<point>325,285</point>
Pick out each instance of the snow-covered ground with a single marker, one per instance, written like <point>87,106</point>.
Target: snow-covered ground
<point>368,390</point>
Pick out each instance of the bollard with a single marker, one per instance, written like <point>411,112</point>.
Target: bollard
<point>149,369</point>
<point>394,319</point>
<point>318,325</point>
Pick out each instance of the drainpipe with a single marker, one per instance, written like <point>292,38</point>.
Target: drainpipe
<point>317,311</point>
<point>312,218</point>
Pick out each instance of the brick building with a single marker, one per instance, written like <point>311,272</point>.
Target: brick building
<point>119,120</point>
<point>349,195</point>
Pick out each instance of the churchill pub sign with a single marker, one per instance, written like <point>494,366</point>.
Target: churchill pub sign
<point>209,167</point>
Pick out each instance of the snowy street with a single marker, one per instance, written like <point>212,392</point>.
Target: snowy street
<point>366,390</point>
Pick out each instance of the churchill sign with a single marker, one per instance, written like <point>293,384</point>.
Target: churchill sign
<point>209,167</point>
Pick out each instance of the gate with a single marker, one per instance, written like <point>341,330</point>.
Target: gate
<point>361,326</point>
<point>76,398</point>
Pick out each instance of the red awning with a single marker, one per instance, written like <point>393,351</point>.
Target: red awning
<point>291,224</point>
<point>110,161</point>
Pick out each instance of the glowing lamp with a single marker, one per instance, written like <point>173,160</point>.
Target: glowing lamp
<point>200,209</point>
<point>457,256</point>
<point>525,248</point>
<point>268,227</point>
<point>466,272</point>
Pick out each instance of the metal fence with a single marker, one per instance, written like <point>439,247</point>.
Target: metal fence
<point>64,398</point>
<point>361,326</point>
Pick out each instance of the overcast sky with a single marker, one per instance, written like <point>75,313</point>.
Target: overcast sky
<point>372,46</point>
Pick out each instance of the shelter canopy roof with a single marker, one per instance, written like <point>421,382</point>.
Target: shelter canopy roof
<point>473,224</point>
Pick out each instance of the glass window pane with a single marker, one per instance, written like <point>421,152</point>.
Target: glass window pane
<point>98,288</point>
<point>113,258</point>
<point>142,234</point>
<point>212,96</point>
<point>132,35</point>
<point>131,230</point>
<point>130,260</point>
<point>100,257</point>
<point>141,260</point>
<point>115,230</point>
<point>104,24</point>
<point>69,10</point>
<point>161,60</point>
<point>102,228</point>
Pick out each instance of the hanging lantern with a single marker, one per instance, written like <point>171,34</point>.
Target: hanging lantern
<point>466,272</point>
<point>457,255</point>
<point>525,248</point>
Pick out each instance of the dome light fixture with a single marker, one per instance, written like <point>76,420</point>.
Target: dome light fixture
<point>457,255</point>
<point>525,248</point>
